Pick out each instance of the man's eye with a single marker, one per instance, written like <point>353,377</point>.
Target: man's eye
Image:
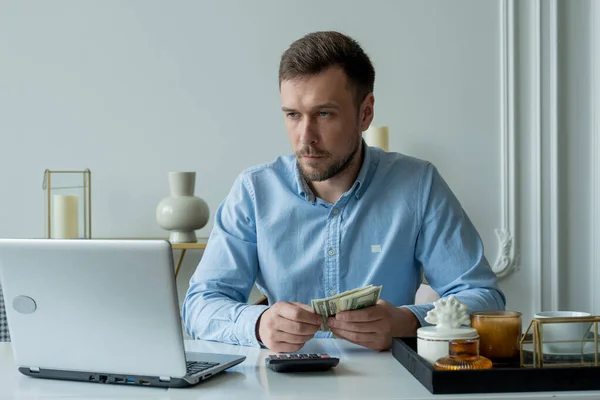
<point>324,114</point>
<point>292,115</point>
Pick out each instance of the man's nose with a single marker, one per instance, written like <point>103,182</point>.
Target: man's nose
<point>308,131</point>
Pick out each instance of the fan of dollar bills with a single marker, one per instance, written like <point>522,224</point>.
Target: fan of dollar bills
<point>349,300</point>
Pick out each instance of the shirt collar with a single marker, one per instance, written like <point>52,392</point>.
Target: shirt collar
<point>365,175</point>
<point>303,189</point>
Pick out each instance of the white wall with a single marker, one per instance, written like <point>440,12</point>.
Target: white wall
<point>134,89</point>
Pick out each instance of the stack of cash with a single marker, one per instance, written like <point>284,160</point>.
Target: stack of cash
<point>349,300</point>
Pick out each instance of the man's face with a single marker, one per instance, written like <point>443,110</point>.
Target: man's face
<point>323,123</point>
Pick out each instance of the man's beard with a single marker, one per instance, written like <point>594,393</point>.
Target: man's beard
<point>332,170</point>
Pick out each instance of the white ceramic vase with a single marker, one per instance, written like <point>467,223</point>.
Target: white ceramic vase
<point>182,213</point>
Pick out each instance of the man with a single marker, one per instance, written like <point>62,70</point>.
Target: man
<point>336,216</point>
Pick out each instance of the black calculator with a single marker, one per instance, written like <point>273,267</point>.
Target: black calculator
<point>301,362</point>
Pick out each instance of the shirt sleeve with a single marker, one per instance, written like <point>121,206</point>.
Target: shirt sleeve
<point>451,251</point>
<point>215,306</point>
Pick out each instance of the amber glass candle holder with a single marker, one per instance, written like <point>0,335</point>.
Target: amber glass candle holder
<point>463,355</point>
<point>499,335</point>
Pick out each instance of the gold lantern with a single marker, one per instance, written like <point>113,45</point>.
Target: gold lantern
<point>68,204</point>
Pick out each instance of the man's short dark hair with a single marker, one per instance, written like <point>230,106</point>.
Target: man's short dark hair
<point>319,51</point>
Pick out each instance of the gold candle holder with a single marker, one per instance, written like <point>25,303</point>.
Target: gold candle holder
<point>68,204</point>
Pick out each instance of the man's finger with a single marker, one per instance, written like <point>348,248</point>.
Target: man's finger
<point>293,312</point>
<point>295,327</point>
<point>368,314</point>
<point>282,347</point>
<point>286,337</point>
<point>360,338</point>
<point>364,327</point>
<point>302,305</point>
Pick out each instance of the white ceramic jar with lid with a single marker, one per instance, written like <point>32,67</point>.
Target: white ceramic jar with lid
<point>447,317</point>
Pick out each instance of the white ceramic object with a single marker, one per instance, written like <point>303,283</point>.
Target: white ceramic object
<point>182,213</point>
<point>447,317</point>
<point>575,331</point>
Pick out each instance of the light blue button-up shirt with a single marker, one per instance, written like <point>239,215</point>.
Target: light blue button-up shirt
<point>398,215</point>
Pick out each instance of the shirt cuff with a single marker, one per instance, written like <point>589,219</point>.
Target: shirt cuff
<point>246,325</point>
<point>420,312</point>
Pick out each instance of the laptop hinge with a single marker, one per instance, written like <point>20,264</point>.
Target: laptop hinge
<point>164,378</point>
<point>34,369</point>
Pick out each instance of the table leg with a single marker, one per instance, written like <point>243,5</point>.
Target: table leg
<point>179,261</point>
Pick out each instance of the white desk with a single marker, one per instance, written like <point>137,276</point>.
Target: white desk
<point>361,374</point>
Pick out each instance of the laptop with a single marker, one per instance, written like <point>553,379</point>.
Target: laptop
<point>103,311</point>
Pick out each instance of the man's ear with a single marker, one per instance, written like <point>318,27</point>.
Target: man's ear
<point>367,112</point>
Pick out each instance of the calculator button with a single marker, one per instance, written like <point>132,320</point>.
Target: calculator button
<point>325,356</point>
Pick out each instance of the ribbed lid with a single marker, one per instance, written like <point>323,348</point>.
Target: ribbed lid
<point>433,332</point>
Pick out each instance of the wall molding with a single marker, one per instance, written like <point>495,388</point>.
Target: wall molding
<point>506,260</point>
<point>536,158</point>
<point>528,88</point>
<point>595,156</point>
<point>552,118</point>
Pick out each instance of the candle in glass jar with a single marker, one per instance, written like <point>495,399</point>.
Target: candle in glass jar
<point>377,136</point>
<point>65,213</point>
<point>499,335</point>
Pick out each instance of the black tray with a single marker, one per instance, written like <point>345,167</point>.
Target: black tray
<point>495,380</point>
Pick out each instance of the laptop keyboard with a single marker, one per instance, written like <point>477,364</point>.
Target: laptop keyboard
<point>194,367</point>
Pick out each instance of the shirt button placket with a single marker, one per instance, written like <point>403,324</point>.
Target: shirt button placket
<point>332,282</point>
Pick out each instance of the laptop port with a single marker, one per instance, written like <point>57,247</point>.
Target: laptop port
<point>130,380</point>
<point>144,382</point>
<point>92,378</point>
<point>119,379</point>
<point>103,378</point>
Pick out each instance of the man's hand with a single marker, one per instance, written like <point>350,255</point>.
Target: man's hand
<point>374,327</point>
<point>285,327</point>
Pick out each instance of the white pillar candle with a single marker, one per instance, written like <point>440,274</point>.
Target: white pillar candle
<point>377,136</point>
<point>65,221</point>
